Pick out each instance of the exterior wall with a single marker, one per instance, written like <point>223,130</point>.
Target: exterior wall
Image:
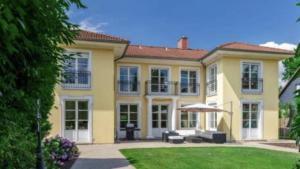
<point>288,95</point>
<point>231,91</point>
<point>102,93</point>
<point>175,76</point>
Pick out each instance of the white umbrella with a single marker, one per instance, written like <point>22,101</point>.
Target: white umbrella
<point>201,107</point>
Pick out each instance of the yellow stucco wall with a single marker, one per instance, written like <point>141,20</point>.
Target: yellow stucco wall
<point>229,76</point>
<point>102,93</point>
<point>175,76</point>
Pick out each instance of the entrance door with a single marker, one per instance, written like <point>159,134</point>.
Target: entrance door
<point>159,80</point>
<point>251,121</point>
<point>76,120</point>
<point>160,119</point>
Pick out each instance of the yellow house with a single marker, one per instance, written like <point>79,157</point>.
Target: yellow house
<point>108,84</point>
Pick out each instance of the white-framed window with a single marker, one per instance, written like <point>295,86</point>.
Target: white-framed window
<point>189,82</point>
<point>211,80</point>
<point>251,76</point>
<point>159,80</point>
<point>76,70</point>
<point>128,114</point>
<point>188,120</point>
<point>128,79</point>
<point>212,119</point>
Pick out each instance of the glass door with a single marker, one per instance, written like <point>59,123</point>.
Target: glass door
<point>160,118</point>
<point>76,120</point>
<point>250,123</point>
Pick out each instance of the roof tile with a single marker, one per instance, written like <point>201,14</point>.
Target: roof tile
<point>92,36</point>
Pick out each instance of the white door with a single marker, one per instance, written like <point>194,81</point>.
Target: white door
<point>251,121</point>
<point>160,119</point>
<point>76,120</point>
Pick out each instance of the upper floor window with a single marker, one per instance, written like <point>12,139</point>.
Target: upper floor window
<point>128,79</point>
<point>188,82</point>
<point>76,70</point>
<point>159,82</point>
<point>211,80</point>
<point>251,77</point>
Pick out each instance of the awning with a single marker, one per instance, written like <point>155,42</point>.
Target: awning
<point>201,107</point>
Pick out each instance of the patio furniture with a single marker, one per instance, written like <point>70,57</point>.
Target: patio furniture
<point>130,131</point>
<point>166,134</point>
<point>176,139</point>
<point>212,136</point>
<point>193,139</point>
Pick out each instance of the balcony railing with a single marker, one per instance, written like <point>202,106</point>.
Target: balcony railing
<point>165,88</point>
<point>211,88</point>
<point>76,79</point>
<point>128,87</point>
<point>252,85</point>
<point>189,89</point>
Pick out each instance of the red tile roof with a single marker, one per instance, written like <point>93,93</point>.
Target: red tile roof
<point>252,48</point>
<point>100,37</point>
<point>142,51</point>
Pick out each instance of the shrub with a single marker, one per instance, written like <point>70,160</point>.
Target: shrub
<point>58,150</point>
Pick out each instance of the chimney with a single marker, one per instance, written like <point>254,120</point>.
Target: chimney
<point>182,43</point>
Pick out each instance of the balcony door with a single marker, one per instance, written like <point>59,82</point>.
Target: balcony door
<point>160,119</point>
<point>251,73</point>
<point>76,120</point>
<point>251,119</point>
<point>159,80</point>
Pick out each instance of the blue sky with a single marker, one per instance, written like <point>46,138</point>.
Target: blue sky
<point>207,23</point>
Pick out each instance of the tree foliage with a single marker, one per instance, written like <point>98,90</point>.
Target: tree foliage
<point>30,57</point>
<point>291,64</point>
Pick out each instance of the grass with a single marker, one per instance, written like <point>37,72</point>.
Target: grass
<point>209,158</point>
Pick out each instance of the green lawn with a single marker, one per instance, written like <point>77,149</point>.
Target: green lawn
<point>209,158</point>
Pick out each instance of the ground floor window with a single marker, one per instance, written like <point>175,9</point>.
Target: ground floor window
<point>188,119</point>
<point>128,115</point>
<point>212,119</point>
<point>160,116</point>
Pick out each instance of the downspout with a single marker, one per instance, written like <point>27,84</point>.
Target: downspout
<point>123,52</point>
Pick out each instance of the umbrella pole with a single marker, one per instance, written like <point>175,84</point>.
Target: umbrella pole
<point>230,129</point>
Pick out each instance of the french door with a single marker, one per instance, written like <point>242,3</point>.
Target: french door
<point>160,119</point>
<point>251,121</point>
<point>159,80</point>
<point>77,120</point>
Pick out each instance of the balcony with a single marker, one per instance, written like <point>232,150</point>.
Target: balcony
<point>76,79</point>
<point>189,89</point>
<point>211,88</point>
<point>128,88</point>
<point>165,88</point>
<point>252,85</point>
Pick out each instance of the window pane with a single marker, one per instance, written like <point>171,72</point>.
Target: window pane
<point>245,107</point>
<point>245,68</point>
<point>254,107</point>
<point>82,115</point>
<point>69,64</point>
<point>82,105</point>
<point>133,117</point>
<point>124,116</point>
<point>164,124</point>
<point>164,108</point>
<point>154,116</point>
<point>245,123</point>
<point>70,105</point>
<point>184,116</point>
<point>164,116</point>
<point>254,124</point>
<point>133,108</point>
<point>123,124</point>
<point>245,115</point>
<point>69,125</point>
<point>155,108</point>
<point>155,124</point>
<point>82,125</point>
<point>70,115</point>
<point>254,69</point>
<point>184,123</point>
<point>193,116</point>
<point>124,71</point>
<point>124,108</point>
<point>135,123</point>
<point>193,124</point>
<point>82,64</point>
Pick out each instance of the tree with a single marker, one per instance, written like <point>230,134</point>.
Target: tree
<point>30,59</point>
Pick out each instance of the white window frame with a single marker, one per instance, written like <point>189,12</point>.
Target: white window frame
<point>208,116</point>
<point>119,103</point>
<point>67,86</point>
<point>90,113</point>
<point>169,79</point>
<point>134,93</point>
<point>261,117</point>
<point>189,114</point>
<point>260,75</point>
<point>197,70</point>
<point>214,80</point>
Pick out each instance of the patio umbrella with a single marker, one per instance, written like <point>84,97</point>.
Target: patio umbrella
<point>201,107</point>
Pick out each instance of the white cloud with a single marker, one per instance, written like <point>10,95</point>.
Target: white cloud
<point>286,46</point>
<point>91,25</point>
